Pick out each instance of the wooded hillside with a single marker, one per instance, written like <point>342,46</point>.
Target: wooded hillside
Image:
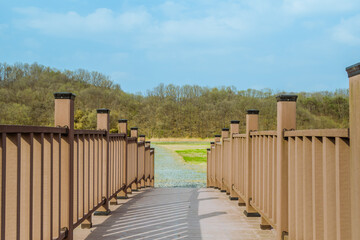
<point>26,98</point>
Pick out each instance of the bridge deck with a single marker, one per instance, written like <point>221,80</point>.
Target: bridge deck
<point>176,213</point>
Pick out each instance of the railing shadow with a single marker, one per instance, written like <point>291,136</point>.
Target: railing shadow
<point>168,213</point>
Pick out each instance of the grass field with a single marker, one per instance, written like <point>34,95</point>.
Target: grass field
<point>192,152</point>
<point>193,155</point>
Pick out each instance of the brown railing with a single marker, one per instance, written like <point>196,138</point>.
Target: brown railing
<point>152,166</point>
<point>303,183</point>
<point>54,179</point>
<point>141,162</point>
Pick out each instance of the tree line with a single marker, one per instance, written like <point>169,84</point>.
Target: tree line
<point>26,98</point>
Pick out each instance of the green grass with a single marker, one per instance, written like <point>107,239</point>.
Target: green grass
<point>180,143</point>
<point>193,155</point>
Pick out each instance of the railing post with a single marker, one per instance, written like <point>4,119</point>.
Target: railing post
<point>224,134</point>
<point>152,160</point>
<point>147,162</point>
<point>103,123</point>
<point>354,101</point>
<point>141,182</point>
<point>286,120</point>
<point>234,128</point>
<point>217,161</point>
<point>213,165</point>
<point>252,124</point>
<point>122,128</point>
<point>208,167</point>
<point>64,117</point>
<point>134,133</point>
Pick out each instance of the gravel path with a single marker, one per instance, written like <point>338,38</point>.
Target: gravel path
<point>172,171</point>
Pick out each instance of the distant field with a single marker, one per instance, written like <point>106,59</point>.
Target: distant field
<point>162,140</point>
<point>193,155</point>
<point>180,143</point>
<point>192,152</point>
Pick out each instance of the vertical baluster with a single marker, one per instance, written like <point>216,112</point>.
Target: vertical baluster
<point>317,189</point>
<point>55,189</point>
<point>307,188</point>
<point>270,176</point>
<point>25,187</point>
<point>329,188</point>
<point>343,194</point>
<point>299,173</point>
<point>274,176</point>
<point>18,186</point>
<point>292,187</point>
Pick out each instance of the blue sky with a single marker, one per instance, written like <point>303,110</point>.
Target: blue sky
<point>290,45</point>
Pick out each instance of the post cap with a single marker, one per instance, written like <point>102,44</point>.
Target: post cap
<point>286,98</point>
<point>64,95</point>
<point>142,135</point>
<point>134,128</point>
<point>122,120</point>
<point>252,111</point>
<point>102,110</point>
<point>212,142</point>
<point>217,135</point>
<point>353,70</point>
<point>208,149</point>
<point>225,129</point>
<point>235,122</point>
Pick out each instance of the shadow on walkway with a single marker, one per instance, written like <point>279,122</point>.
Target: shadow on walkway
<point>174,213</point>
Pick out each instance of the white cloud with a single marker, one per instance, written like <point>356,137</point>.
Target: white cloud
<point>319,6</point>
<point>102,20</point>
<point>178,21</point>
<point>348,31</point>
<point>229,21</point>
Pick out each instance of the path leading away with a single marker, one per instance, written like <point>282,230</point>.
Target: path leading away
<point>172,171</point>
<point>176,213</point>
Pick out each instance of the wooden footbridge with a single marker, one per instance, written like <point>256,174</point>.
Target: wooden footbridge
<point>62,183</point>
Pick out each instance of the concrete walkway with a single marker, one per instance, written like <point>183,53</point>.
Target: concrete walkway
<point>176,213</point>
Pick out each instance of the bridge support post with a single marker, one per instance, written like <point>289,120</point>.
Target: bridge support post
<point>354,98</point>
<point>103,123</point>
<point>122,128</point>
<point>252,124</point>
<point>234,128</point>
<point>286,120</point>
<point>134,133</point>
<point>64,117</point>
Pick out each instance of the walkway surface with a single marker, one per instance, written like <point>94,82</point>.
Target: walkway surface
<point>176,213</point>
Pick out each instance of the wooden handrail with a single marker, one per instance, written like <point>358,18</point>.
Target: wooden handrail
<point>57,178</point>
